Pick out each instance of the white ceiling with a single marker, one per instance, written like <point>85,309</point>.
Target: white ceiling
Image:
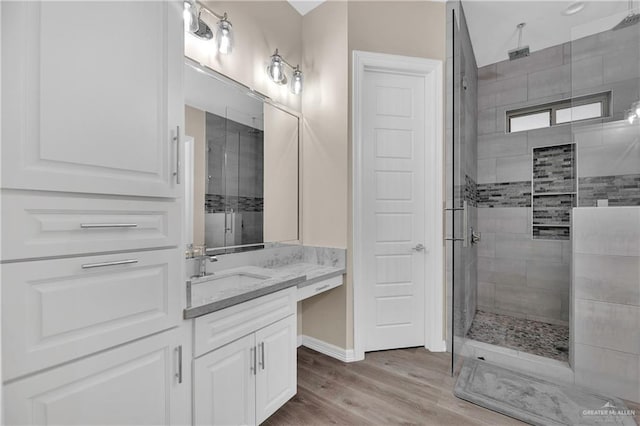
<point>492,24</point>
<point>305,6</point>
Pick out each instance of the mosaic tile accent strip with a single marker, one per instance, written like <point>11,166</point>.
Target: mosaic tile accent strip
<point>553,209</point>
<point>470,191</point>
<point>621,190</point>
<point>554,169</point>
<point>541,232</point>
<point>505,194</point>
<point>535,337</point>
<point>216,203</point>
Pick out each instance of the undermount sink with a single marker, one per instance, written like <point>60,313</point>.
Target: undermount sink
<point>207,287</point>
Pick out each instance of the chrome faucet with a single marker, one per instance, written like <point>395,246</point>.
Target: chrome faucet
<point>202,262</point>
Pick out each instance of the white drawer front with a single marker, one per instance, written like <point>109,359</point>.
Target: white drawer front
<point>57,310</point>
<point>319,287</point>
<point>219,328</point>
<point>37,225</point>
<point>133,384</point>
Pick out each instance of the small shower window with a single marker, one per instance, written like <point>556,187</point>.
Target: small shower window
<point>561,112</point>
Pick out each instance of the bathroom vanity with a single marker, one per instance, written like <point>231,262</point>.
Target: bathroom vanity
<point>244,325</point>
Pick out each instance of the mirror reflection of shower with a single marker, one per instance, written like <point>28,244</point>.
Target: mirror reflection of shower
<point>234,203</point>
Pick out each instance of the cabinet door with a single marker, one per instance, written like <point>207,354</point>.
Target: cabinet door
<point>54,311</point>
<point>135,384</point>
<point>276,380</point>
<point>92,96</point>
<point>224,385</point>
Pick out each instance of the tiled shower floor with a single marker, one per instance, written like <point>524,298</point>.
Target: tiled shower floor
<point>535,337</point>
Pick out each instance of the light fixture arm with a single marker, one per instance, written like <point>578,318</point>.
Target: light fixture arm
<point>211,12</point>
<point>284,61</point>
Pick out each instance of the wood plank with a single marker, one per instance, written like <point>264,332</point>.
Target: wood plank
<point>408,386</point>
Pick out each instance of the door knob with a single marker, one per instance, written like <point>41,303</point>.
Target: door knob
<point>419,247</point>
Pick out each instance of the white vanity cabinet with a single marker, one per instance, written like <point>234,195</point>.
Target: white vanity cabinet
<point>134,384</point>
<point>92,274</point>
<point>92,96</point>
<point>246,380</point>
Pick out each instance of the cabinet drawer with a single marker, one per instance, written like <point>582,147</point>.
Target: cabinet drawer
<point>41,225</point>
<point>219,328</point>
<point>319,287</point>
<point>56,310</point>
<point>134,384</point>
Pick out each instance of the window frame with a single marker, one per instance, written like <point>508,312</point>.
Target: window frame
<point>604,98</point>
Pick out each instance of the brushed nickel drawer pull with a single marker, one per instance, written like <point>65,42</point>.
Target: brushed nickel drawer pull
<point>108,225</point>
<point>262,355</point>
<point>114,263</point>
<point>322,287</point>
<point>176,138</point>
<point>179,372</point>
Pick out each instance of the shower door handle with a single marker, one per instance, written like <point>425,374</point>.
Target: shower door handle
<point>465,223</point>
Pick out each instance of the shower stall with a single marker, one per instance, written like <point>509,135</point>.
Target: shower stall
<point>543,155</point>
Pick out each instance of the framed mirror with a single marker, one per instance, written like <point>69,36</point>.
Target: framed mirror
<point>244,165</point>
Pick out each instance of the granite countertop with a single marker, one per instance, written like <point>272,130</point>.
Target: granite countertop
<point>312,271</point>
<point>233,286</point>
<point>230,287</point>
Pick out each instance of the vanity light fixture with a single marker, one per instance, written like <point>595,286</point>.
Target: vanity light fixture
<point>196,26</point>
<point>276,73</point>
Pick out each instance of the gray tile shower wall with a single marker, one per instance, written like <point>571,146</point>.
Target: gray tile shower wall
<point>216,203</point>
<point>505,194</point>
<point>621,190</point>
<point>517,275</point>
<point>606,312</point>
<point>554,169</point>
<point>526,277</point>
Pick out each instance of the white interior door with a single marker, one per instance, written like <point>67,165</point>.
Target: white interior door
<point>393,209</point>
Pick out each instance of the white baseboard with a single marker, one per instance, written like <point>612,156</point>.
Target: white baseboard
<point>344,355</point>
<point>439,347</point>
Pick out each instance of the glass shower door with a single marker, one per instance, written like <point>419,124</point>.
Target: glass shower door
<point>457,209</point>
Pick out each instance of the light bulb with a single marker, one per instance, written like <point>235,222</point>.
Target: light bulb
<point>224,36</point>
<point>638,109</point>
<point>275,69</point>
<point>296,81</point>
<point>190,16</point>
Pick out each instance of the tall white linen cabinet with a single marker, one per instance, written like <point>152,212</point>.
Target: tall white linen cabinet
<point>92,265</point>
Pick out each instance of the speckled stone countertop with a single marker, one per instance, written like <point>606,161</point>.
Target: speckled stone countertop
<point>313,272</point>
<point>237,285</point>
<point>214,292</point>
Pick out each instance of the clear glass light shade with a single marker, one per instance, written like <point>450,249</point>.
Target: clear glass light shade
<point>296,82</point>
<point>276,69</point>
<point>190,15</point>
<point>224,36</point>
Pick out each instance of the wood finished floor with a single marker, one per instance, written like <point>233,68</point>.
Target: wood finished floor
<point>407,386</point>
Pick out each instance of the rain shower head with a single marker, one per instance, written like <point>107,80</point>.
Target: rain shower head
<point>631,19</point>
<point>517,53</point>
<point>520,51</point>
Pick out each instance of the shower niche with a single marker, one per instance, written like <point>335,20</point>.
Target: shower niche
<point>553,191</point>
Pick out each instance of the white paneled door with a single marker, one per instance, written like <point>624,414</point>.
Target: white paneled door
<point>393,209</point>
